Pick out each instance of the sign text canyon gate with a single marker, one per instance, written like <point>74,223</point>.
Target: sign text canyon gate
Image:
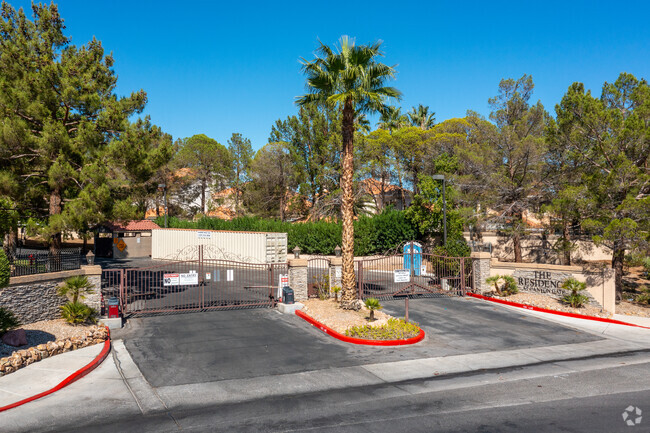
<point>197,285</point>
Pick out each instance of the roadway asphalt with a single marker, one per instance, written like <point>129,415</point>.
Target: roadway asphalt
<point>239,344</point>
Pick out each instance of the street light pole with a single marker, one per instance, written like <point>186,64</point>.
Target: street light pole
<point>444,205</point>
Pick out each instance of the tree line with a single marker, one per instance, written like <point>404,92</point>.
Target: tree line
<point>71,158</point>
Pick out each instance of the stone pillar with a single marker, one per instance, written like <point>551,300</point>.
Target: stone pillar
<point>336,269</point>
<point>481,269</point>
<point>609,290</point>
<point>94,275</point>
<point>298,278</point>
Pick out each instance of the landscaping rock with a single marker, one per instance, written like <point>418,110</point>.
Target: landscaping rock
<point>15,338</point>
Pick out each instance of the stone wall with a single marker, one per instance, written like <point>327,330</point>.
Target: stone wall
<point>298,278</point>
<point>34,297</point>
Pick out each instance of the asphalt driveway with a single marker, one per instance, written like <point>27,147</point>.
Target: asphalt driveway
<point>237,344</point>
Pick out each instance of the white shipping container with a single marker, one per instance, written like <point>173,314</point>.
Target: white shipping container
<point>248,247</point>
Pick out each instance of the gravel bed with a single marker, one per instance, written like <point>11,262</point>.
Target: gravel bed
<point>548,302</point>
<point>44,331</point>
<point>332,315</point>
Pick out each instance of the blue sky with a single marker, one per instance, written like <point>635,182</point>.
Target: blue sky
<point>217,68</point>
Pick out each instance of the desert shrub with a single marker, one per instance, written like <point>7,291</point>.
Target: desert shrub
<point>395,329</point>
<point>322,285</point>
<point>77,313</point>
<point>373,304</point>
<point>7,320</point>
<point>4,269</point>
<point>575,299</point>
<point>455,248</point>
<point>75,288</point>
<point>644,296</point>
<point>505,285</point>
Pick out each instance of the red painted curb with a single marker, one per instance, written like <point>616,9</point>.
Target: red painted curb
<point>559,313</point>
<point>70,379</point>
<point>329,331</point>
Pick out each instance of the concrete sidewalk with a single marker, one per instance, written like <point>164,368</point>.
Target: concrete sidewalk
<point>44,375</point>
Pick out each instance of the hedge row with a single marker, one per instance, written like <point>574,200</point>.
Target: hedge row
<point>372,235</point>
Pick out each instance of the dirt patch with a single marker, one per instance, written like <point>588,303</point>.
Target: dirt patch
<point>329,313</point>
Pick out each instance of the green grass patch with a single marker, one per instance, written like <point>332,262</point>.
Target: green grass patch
<point>395,329</point>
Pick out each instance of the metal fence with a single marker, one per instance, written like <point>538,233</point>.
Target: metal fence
<point>318,277</point>
<point>197,285</point>
<point>419,274</point>
<point>42,262</point>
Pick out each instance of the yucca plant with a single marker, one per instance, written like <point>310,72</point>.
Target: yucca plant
<point>7,320</point>
<point>336,290</point>
<point>77,313</point>
<point>504,285</point>
<point>373,304</point>
<point>75,288</point>
<point>574,298</point>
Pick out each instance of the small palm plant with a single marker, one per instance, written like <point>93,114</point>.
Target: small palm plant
<point>373,304</point>
<point>504,285</point>
<point>77,313</point>
<point>336,290</point>
<point>574,298</point>
<point>7,320</point>
<point>75,288</point>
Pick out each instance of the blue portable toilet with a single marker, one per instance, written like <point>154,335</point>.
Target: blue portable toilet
<point>417,257</point>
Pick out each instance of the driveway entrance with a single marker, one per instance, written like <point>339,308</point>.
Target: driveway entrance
<point>238,344</point>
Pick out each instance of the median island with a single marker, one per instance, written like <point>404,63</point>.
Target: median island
<point>368,325</point>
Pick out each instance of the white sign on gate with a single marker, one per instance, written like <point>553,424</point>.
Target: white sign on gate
<point>402,275</point>
<point>171,279</point>
<point>230,275</point>
<point>203,235</point>
<point>189,279</point>
<point>283,280</point>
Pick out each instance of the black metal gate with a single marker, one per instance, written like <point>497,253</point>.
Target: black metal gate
<point>318,277</point>
<point>403,275</point>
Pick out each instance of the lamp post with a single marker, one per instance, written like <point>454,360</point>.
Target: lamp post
<point>444,205</point>
<point>164,188</point>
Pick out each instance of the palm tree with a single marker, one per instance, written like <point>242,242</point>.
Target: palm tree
<point>391,119</point>
<point>352,80</point>
<point>421,118</point>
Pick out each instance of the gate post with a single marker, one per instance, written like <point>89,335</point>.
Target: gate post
<point>298,278</point>
<point>481,268</point>
<point>336,269</point>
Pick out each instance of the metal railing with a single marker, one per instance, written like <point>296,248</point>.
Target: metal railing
<point>41,262</point>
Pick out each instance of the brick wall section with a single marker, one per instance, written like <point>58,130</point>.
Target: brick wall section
<point>298,278</point>
<point>33,297</point>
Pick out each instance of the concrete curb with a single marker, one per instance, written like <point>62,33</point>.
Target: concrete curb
<point>558,313</point>
<point>70,379</point>
<point>329,331</point>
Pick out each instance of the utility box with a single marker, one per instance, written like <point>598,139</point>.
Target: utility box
<point>415,256</point>
<point>287,295</point>
<point>113,308</point>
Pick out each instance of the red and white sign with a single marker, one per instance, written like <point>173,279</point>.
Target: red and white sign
<point>171,279</point>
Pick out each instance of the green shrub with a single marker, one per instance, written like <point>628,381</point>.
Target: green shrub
<point>77,313</point>
<point>504,285</point>
<point>75,288</point>
<point>395,329</point>
<point>4,269</point>
<point>7,320</point>
<point>646,266</point>
<point>373,304</point>
<point>574,298</point>
<point>322,284</point>
<point>644,296</point>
